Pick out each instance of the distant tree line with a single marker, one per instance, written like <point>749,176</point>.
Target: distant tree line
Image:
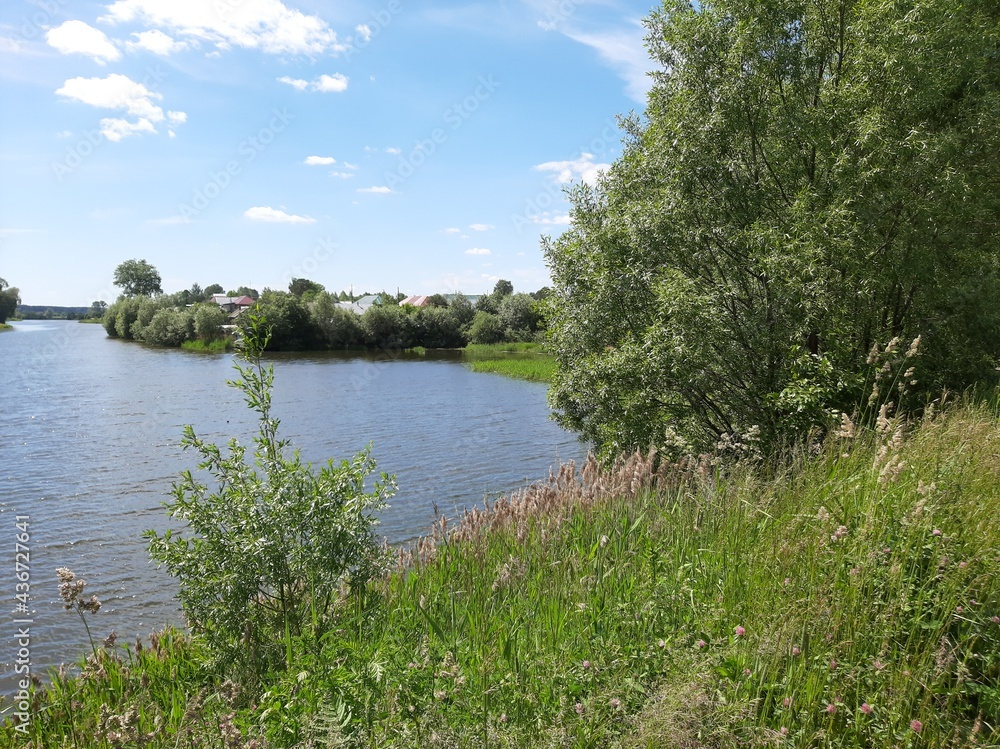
<point>307,317</point>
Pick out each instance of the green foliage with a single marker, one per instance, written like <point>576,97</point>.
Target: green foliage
<point>247,291</point>
<point>383,326</point>
<point>212,289</point>
<point>301,286</point>
<point>486,328</point>
<point>168,327</point>
<point>290,325</point>
<point>520,317</point>
<point>339,328</point>
<point>10,298</point>
<point>137,278</point>
<point>269,542</point>
<point>813,179</point>
<point>208,321</point>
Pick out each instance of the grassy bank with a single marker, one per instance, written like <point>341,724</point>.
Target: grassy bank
<point>522,361</point>
<point>216,346</point>
<point>850,599</point>
<point>5,326</point>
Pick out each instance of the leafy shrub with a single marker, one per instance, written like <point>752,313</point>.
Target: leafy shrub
<point>270,543</point>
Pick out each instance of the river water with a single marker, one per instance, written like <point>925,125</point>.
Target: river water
<point>89,447</point>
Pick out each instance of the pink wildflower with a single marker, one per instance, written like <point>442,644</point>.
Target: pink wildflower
<point>579,708</point>
<point>746,671</point>
<point>784,731</point>
<point>866,708</point>
<point>503,717</point>
<point>586,665</point>
<point>831,709</point>
<point>615,703</point>
<point>740,631</point>
<point>916,725</point>
<point>701,644</point>
<point>787,702</point>
<point>995,619</point>
<point>935,532</point>
<point>788,581</point>
<point>796,651</point>
<point>833,665</point>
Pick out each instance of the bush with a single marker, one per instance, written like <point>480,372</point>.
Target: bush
<point>269,542</point>
<point>486,328</point>
<point>208,321</point>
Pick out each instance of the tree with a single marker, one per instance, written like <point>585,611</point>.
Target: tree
<point>212,289</point>
<point>813,179</point>
<point>245,291</point>
<point>486,328</point>
<point>300,286</point>
<point>519,317</point>
<point>10,298</point>
<point>137,278</point>
<point>97,309</point>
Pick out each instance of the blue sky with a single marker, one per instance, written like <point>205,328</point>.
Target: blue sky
<point>377,145</point>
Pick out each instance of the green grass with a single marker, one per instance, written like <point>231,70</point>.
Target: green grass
<point>537,369</point>
<point>488,349</point>
<point>92,320</point>
<point>217,346</point>
<point>522,361</point>
<point>684,606</point>
<point>5,326</point>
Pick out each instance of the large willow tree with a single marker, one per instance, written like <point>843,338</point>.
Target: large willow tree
<point>811,178</point>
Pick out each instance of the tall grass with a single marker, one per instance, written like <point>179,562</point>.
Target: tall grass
<point>849,598</point>
<point>214,346</point>
<point>522,361</point>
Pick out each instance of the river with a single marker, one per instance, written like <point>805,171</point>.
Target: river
<point>90,432</point>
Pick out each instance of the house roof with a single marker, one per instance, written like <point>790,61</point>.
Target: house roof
<point>415,301</point>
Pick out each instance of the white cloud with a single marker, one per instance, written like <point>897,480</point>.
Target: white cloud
<point>478,251</point>
<point>624,52</point>
<point>342,175</point>
<point>319,161</point>
<point>121,93</point>
<point>65,134</point>
<point>267,25</point>
<point>481,227</point>
<point>552,219</point>
<point>583,169</point>
<point>326,84</point>
<point>330,83</point>
<point>365,31</point>
<point>273,215</point>
<point>394,151</point>
<point>296,83</point>
<point>77,37</point>
<point>350,166</point>
<point>114,128</point>
<point>157,42</point>
<point>382,190</point>
<point>452,230</point>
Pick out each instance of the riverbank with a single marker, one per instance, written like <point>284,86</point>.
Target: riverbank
<point>521,361</point>
<point>850,598</point>
<point>5,326</point>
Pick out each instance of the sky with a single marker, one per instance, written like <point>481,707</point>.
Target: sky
<point>373,145</point>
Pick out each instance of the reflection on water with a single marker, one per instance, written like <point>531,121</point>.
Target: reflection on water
<point>89,446</point>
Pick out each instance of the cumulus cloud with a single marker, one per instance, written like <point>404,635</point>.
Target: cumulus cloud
<point>157,42</point>
<point>274,215</point>
<point>77,37</point>
<point>478,251</point>
<point>326,84</point>
<point>481,227</point>
<point>364,31</point>
<point>378,190</point>
<point>330,83</point>
<point>265,25</point>
<point>583,169</point>
<point>121,93</point>
<point>319,161</point>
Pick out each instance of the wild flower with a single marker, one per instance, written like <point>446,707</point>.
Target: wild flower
<point>615,703</point>
<point>936,532</point>
<point>916,725</point>
<point>702,644</point>
<point>796,651</point>
<point>661,644</point>
<point>833,665</point>
<point>739,631</point>
<point>586,665</point>
<point>866,708</point>
<point>579,708</point>
<point>788,581</point>
<point>787,701</point>
<point>783,731</point>
<point>831,709</point>
<point>503,717</point>
<point>995,619</point>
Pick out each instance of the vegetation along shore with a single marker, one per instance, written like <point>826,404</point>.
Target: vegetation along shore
<point>787,535</point>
